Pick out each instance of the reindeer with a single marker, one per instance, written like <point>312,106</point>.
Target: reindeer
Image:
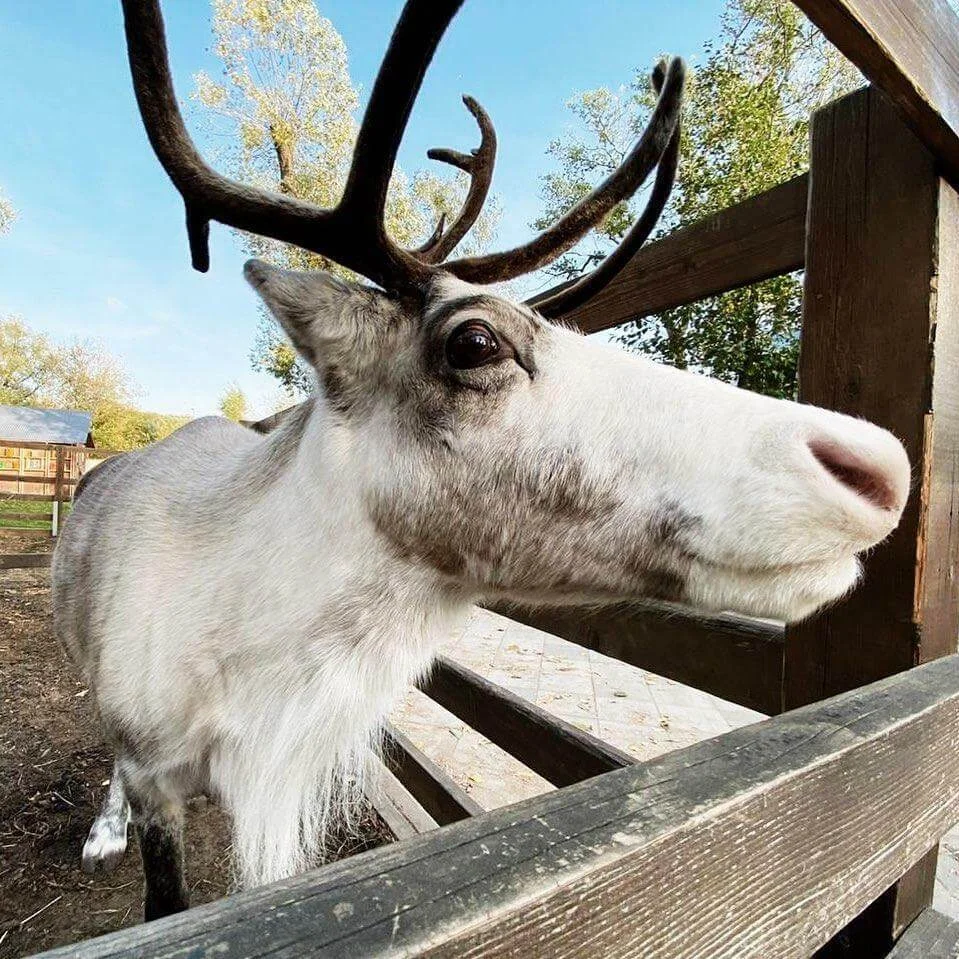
<point>247,607</point>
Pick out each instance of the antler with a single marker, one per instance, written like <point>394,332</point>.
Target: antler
<point>353,233</point>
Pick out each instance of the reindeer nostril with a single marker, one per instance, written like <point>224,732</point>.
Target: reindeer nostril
<point>867,479</point>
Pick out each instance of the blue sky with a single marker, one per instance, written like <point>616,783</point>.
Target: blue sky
<point>99,248</point>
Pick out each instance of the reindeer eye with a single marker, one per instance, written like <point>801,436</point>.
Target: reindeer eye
<point>470,345</point>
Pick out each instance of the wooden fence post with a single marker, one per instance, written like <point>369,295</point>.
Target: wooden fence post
<point>881,340</point>
<point>57,493</point>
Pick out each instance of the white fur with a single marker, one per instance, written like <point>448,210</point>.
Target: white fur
<point>107,841</point>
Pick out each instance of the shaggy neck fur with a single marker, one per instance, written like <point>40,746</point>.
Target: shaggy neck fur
<point>358,628</point>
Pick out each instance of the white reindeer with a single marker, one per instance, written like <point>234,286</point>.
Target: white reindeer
<point>246,608</point>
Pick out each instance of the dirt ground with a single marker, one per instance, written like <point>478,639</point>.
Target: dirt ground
<point>53,774</point>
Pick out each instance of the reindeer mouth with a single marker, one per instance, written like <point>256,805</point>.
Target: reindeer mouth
<point>785,591</point>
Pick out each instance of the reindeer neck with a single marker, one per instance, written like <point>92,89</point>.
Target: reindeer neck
<point>329,580</point>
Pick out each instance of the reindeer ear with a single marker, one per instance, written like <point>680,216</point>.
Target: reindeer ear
<point>309,306</point>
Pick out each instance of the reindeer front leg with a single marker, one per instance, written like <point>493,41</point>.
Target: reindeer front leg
<point>107,841</point>
<point>158,818</point>
<point>161,848</point>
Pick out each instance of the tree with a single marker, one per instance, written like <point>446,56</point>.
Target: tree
<point>287,104</point>
<point>86,376</point>
<point>7,213</point>
<point>26,363</point>
<point>81,375</point>
<point>745,130</point>
<point>117,426</point>
<point>233,403</point>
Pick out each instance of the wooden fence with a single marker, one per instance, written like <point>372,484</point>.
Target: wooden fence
<point>816,830</point>
<point>63,488</point>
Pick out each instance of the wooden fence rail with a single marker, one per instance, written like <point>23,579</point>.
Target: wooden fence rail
<point>761,237</point>
<point>705,852</point>
<point>24,478</point>
<point>734,657</point>
<point>25,560</point>
<point>426,782</point>
<point>551,747</point>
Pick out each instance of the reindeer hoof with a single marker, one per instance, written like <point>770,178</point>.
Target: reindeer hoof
<point>105,845</point>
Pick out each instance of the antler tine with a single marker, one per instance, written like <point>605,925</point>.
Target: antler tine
<point>420,28</point>
<point>574,225</point>
<point>583,289</point>
<point>479,165</point>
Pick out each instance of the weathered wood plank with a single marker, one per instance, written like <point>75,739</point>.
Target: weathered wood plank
<point>881,341</point>
<point>734,657</point>
<point>931,936</point>
<point>24,560</point>
<point>759,843</point>
<point>24,532</point>
<point>23,478</point>
<point>551,747</point>
<point>753,240</point>
<point>6,515</point>
<point>910,50</point>
<point>396,806</point>
<point>427,783</point>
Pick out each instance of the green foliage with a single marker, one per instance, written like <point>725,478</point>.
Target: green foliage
<point>233,403</point>
<point>273,354</point>
<point>745,130</point>
<point>7,213</point>
<point>287,105</point>
<point>26,363</point>
<point>117,426</point>
<point>81,375</point>
<point>84,375</point>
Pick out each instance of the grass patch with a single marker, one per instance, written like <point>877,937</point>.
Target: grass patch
<point>9,508</point>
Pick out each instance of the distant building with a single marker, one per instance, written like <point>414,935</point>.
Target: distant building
<point>30,439</point>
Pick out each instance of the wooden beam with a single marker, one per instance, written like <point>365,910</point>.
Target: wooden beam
<point>753,240</point>
<point>397,807</point>
<point>881,341</point>
<point>38,516</point>
<point>551,747</point>
<point>103,454</point>
<point>25,560</point>
<point>427,783</point>
<point>910,50</point>
<point>761,842</point>
<point>733,657</point>
<point>22,478</point>
<point>20,444</point>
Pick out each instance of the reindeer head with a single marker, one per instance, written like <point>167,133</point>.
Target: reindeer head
<point>506,454</point>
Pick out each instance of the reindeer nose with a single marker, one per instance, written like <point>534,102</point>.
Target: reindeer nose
<point>877,473</point>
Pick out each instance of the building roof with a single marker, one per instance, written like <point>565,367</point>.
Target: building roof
<point>27,424</point>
